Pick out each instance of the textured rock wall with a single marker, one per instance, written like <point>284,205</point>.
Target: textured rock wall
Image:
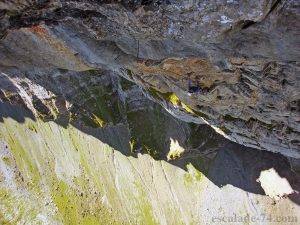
<point>94,99</point>
<point>90,148</point>
<point>55,175</point>
<point>76,137</point>
<point>243,55</point>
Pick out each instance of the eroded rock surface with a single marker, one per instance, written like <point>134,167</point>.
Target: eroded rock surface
<point>90,148</point>
<point>89,89</point>
<point>243,55</point>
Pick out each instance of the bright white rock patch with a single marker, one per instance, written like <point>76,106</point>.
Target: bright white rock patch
<point>274,186</point>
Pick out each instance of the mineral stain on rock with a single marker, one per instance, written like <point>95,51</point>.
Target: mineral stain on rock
<point>97,125</point>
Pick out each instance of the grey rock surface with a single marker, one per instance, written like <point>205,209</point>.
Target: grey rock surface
<point>243,55</point>
<point>90,147</point>
<point>97,125</point>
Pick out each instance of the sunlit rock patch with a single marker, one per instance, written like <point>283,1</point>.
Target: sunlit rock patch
<point>274,186</point>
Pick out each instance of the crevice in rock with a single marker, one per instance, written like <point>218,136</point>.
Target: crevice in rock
<point>247,23</point>
<point>274,6</point>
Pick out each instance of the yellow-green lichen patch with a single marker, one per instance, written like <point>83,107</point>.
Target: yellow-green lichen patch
<point>31,126</point>
<point>175,101</point>
<point>143,207</point>
<point>188,178</point>
<point>129,72</point>
<point>196,174</point>
<point>98,121</point>
<point>170,97</point>
<point>95,98</point>
<point>131,145</point>
<point>16,137</point>
<point>147,135</point>
<point>152,152</point>
<point>65,203</point>
<point>7,160</point>
<point>9,213</point>
<point>225,130</point>
<point>228,117</point>
<point>17,209</point>
<point>80,202</point>
<point>84,181</point>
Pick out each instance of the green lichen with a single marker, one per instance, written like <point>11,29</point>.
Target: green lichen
<point>131,145</point>
<point>201,114</point>
<point>7,160</point>
<point>23,161</point>
<point>95,98</point>
<point>15,209</point>
<point>188,178</point>
<point>126,84</point>
<point>129,72</point>
<point>152,152</point>
<point>145,133</point>
<point>192,175</point>
<point>154,93</point>
<point>175,101</point>
<point>228,117</point>
<point>98,121</point>
<point>145,213</point>
<point>8,214</point>
<point>72,117</point>
<point>225,130</point>
<point>77,207</point>
<point>87,195</point>
<point>170,97</point>
<point>32,127</point>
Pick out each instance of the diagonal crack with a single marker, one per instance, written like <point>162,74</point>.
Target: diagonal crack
<point>173,194</point>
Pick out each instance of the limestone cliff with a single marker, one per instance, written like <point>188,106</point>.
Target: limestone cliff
<point>90,148</point>
<point>243,55</point>
<point>97,125</point>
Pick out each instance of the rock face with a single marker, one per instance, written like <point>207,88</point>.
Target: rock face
<point>90,148</point>
<point>97,124</point>
<point>94,100</point>
<point>242,55</point>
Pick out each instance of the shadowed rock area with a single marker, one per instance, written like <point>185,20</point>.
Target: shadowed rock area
<point>97,125</point>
